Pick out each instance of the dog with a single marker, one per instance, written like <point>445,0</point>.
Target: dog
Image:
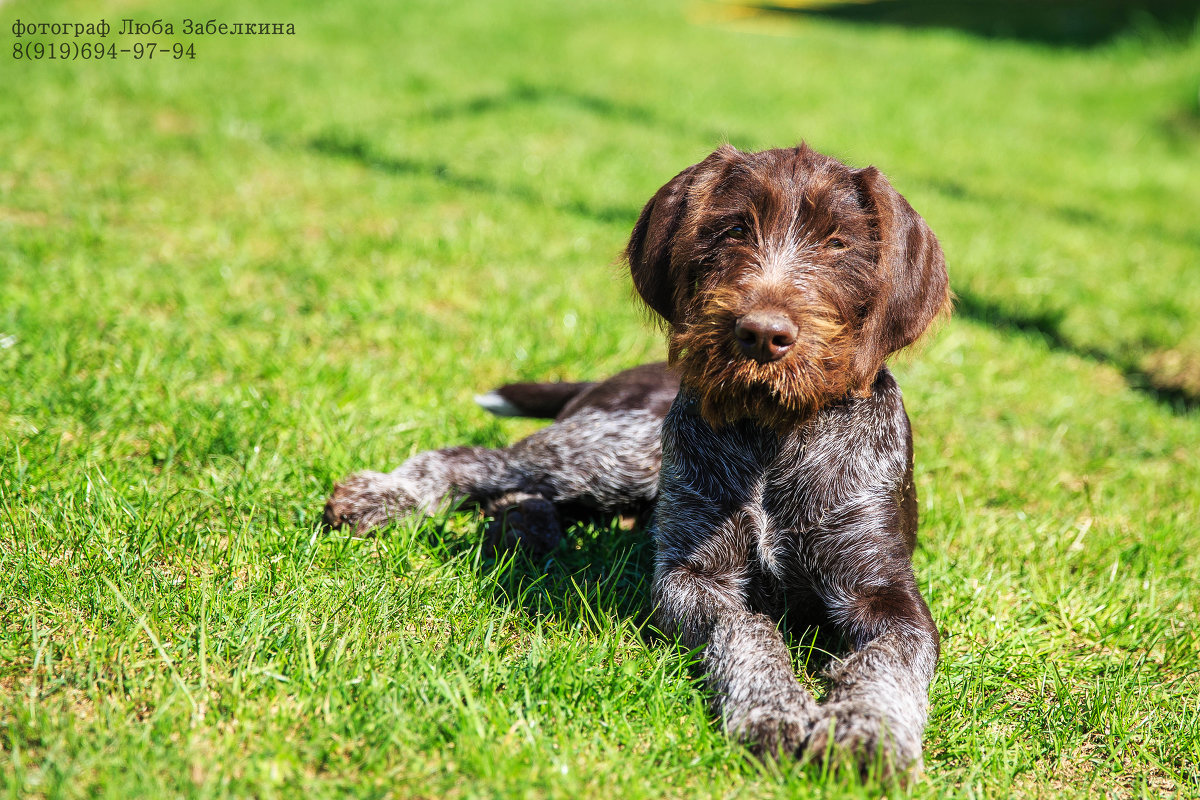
<point>774,451</point>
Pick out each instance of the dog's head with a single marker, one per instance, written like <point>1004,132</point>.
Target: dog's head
<point>785,278</point>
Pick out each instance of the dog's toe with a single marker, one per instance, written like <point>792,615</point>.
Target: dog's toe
<point>363,501</point>
<point>769,730</point>
<point>862,739</point>
<point>334,516</point>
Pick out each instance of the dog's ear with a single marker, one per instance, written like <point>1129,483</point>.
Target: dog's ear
<point>652,244</point>
<point>649,248</point>
<point>912,271</point>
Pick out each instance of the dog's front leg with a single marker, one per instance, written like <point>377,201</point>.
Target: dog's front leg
<point>877,706</point>
<point>745,659</point>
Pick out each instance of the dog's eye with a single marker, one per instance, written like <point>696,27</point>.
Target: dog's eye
<point>836,244</point>
<point>737,233</point>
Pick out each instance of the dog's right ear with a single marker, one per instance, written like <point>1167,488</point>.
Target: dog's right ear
<point>649,248</point>
<point>652,246</point>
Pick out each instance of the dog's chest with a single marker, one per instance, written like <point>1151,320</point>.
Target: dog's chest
<point>775,490</point>
<point>788,498</point>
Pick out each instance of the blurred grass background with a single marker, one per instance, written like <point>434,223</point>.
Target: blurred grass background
<point>226,282</point>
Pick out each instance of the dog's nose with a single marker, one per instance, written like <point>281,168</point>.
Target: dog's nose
<point>765,336</point>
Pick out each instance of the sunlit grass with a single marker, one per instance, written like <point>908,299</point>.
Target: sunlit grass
<point>225,284</point>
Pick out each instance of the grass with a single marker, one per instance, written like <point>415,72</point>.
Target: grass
<point>226,283</point>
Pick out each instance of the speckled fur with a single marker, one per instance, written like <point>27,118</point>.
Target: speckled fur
<point>750,522</point>
<point>603,460</point>
<point>786,484</point>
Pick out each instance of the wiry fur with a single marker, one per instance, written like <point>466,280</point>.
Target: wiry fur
<point>617,474</point>
<point>730,386</point>
<point>786,478</point>
<point>751,521</point>
<point>780,481</point>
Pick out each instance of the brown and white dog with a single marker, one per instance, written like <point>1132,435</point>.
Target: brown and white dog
<point>775,452</point>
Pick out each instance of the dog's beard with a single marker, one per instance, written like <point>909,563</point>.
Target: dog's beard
<point>779,394</point>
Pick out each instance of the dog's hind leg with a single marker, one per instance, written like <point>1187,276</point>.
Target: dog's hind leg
<point>521,519</point>
<point>604,460</point>
<point>423,485</point>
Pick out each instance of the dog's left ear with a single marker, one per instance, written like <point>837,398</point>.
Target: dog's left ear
<point>914,287</point>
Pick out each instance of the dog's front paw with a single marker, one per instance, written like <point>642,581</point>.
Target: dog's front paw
<point>771,730</point>
<point>848,733</point>
<point>524,520</point>
<point>366,500</point>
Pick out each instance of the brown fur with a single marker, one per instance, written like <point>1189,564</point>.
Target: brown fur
<point>835,250</point>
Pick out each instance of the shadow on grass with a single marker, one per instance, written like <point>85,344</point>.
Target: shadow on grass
<point>356,149</point>
<point>1068,214</point>
<point>343,145</point>
<point>523,94</point>
<point>600,576</point>
<point>526,94</point>
<point>1048,325</point>
<point>1062,23</point>
<point>599,568</point>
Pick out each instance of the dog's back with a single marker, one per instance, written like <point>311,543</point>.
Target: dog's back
<point>649,387</point>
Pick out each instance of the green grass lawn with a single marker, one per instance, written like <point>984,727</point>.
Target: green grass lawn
<point>226,282</point>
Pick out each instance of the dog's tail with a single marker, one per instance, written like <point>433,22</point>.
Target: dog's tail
<point>541,400</point>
